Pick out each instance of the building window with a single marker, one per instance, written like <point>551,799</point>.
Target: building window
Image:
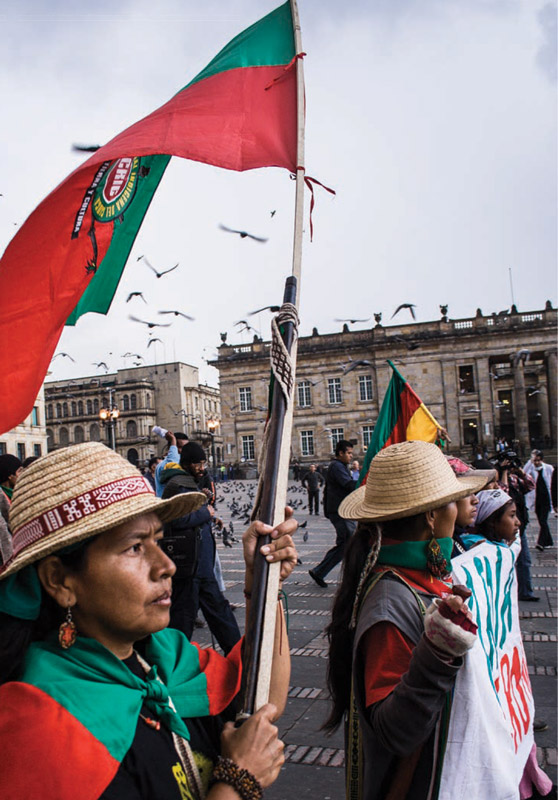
<point>21,451</point>
<point>64,437</point>
<point>245,395</point>
<point>367,431</point>
<point>89,405</point>
<point>74,408</point>
<point>96,405</point>
<point>131,428</point>
<point>365,387</point>
<point>3,449</point>
<point>37,450</point>
<point>133,402</point>
<point>304,396</point>
<point>148,401</point>
<point>125,403</point>
<point>333,391</point>
<point>505,401</point>
<point>470,431</point>
<point>336,436</point>
<point>50,413</point>
<point>50,439</point>
<point>248,452</point>
<point>79,436</point>
<point>80,408</point>
<point>94,433</point>
<point>466,379</point>
<point>307,443</point>
<point>35,415</point>
<point>58,410</point>
<point>65,409</point>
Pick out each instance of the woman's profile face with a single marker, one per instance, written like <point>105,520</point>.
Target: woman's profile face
<point>124,591</point>
<point>508,525</point>
<point>466,510</point>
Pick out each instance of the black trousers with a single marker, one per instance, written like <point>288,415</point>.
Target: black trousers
<point>545,537</point>
<point>191,594</point>
<point>344,529</point>
<point>314,500</point>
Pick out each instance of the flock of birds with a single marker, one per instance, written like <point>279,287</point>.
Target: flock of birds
<point>237,499</point>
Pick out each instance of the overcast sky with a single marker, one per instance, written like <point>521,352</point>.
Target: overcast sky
<point>434,120</point>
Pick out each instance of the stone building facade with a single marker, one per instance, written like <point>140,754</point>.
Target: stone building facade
<point>30,437</point>
<point>482,377</point>
<point>168,395</point>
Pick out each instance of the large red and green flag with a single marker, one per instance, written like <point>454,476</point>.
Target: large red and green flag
<point>403,417</point>
<point>239,113</point>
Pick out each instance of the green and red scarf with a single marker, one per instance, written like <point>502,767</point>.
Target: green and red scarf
<point>67,725</point>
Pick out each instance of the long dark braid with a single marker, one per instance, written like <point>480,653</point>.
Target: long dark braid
<point>339,631</point>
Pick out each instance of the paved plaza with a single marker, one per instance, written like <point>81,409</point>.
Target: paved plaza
<point>314,761</point>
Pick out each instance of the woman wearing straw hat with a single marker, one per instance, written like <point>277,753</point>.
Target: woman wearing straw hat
<point>395,626</point>
<point>99,698</point>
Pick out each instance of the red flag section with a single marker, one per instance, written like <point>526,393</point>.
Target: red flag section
<point>75,244</point>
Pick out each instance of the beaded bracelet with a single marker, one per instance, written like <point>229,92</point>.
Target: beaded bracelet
<point>242,781</point>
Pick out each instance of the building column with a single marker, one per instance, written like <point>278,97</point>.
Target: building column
<point>484,389</point>
<point>520,405</point>
<point>551,378</point>
<point>543,407</point>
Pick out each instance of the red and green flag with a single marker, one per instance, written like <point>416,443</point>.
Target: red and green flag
<point>403,417</point>
<point>239,113</point>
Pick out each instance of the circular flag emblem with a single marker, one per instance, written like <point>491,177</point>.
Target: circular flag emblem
<point>115,193</point>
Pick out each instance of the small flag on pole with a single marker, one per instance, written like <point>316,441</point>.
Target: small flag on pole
<point>403,417</point>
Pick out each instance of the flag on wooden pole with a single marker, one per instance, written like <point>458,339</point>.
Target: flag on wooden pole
<point>239,113</point>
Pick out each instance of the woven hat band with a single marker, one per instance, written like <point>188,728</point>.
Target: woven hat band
<point>77,508</point>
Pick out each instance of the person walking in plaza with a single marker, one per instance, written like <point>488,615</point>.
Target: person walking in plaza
<point>339,483</point>
<point>542,475</point>
<point>312,481</point>
<point>99,699</point>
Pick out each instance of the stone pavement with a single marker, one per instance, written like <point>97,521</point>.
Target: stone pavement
<point>314,761</point>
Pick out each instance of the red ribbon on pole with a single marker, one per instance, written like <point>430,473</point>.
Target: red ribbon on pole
<point>286,69</point>
<point>309,183</point>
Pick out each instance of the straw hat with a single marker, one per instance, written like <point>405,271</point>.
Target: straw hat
<point>77,492</point>
<point>406,479</point>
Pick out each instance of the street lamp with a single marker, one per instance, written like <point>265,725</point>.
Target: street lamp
<point>108,416</point>
<point>212,425</point>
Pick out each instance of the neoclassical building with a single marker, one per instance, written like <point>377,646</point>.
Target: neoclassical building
<point>482,377</point>
<point>168,395</point>
<point>29,438</point>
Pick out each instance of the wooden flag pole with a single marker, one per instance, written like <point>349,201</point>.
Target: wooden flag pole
<point>272,491</point>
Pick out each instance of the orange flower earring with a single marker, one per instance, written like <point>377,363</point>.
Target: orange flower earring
<point>67,632</point>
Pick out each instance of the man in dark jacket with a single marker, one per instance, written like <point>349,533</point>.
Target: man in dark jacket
<point>312,481</point>
<point>195,589</point>
<point>339,483</point>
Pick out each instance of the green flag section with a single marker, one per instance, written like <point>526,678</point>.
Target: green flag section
<point>67,259</point>
<point>403,416</point>
<point>69,722</point>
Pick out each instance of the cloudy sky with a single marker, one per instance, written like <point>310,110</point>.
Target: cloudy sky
<point>434,120</point>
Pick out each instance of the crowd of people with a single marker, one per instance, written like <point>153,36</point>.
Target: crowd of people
<point>104,571</point>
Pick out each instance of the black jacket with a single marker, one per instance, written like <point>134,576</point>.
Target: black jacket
<point>339,483</point>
